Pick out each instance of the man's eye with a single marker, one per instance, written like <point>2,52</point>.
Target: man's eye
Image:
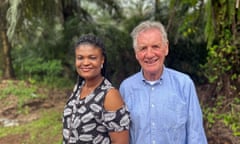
<point>142,48</point>
<point>155,46</point>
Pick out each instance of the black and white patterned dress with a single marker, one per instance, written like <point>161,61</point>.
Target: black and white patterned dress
<point>85,121</point>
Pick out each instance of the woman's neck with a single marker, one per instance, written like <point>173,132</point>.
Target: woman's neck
<point>90,85</point>
<point>93,83</point>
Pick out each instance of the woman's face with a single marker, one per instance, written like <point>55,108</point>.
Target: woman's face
<point>88,61</point>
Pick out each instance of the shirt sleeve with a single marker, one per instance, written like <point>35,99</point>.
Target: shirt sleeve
<point>118,120</point>
<point>195,129</point>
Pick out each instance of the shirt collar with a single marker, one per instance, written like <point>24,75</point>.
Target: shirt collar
<point>159,81</point>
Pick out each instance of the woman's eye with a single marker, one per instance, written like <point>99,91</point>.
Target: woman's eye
<point>79,58</point>
<point>93,57</point>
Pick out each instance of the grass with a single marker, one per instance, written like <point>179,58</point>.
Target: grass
<point>21,89</point>
<point>45,130</point>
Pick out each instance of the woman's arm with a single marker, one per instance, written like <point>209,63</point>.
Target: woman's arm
<point>113,101</point>
<point>121,137</point>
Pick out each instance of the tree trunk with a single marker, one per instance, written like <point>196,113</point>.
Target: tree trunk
<point>8,72</point>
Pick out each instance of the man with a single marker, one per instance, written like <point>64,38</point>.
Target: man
<point>163,103</point>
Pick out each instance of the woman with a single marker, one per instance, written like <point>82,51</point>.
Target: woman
<point>95,112</point>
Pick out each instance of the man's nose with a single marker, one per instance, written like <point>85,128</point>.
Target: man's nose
<point>149,52</point>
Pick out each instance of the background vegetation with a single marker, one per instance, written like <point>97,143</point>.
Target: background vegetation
<point>37,37</point>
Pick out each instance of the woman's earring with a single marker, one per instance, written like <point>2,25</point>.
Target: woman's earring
<point>102,66</point>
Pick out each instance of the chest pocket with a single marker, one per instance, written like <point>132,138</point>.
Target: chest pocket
<point>174,113</point>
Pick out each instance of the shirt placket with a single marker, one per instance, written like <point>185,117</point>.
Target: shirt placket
<point>152,115</point>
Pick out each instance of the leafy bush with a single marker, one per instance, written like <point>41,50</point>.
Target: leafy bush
<point>225,111</point>
<point>38,70</point>
<point>21,90</point>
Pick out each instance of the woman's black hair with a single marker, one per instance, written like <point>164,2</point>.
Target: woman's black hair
<point>97,42</point>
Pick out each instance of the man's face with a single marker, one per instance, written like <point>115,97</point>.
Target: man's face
<point>150,52</point>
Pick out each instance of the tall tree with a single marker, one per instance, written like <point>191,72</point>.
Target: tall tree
<point>5,47</point>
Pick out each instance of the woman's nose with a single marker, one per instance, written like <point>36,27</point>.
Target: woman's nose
<point>85,61</point>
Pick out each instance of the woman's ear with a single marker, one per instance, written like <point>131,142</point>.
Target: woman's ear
<point>103,60</point>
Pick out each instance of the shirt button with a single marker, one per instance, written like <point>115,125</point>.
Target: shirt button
<point>153,124</point>
<point>153,105</point>
<point>152,88</point>
<point>160,82</point>
<point>153,142</point>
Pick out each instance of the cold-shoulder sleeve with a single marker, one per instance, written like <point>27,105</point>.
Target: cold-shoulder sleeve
<point>118,120</point>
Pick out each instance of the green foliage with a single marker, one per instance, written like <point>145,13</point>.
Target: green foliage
<point>209,27</point>
<point>223,59</point>
<point>23,15</point>
<point>225,111</point>
<point>42,41</point>
<point>119,51</point>
<point>223,62</point>
<point>38,69</point>
<point>186,40</point>
<point>210,116</point>
<point>231,118</point>
<point>43,46</point>
<point>22,91</point>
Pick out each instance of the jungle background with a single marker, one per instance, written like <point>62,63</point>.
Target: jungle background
<point>37,59</point>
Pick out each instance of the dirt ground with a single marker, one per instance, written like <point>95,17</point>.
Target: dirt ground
<point>10,116</point>
<point>218,134</point>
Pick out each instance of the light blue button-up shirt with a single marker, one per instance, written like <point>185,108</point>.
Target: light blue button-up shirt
<point>166,112</point>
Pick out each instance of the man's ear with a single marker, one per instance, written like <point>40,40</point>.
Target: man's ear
<point>166,49</point>
<point>136,56</point>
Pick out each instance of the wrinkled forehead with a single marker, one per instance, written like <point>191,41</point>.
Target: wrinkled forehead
<point>149,34</point>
